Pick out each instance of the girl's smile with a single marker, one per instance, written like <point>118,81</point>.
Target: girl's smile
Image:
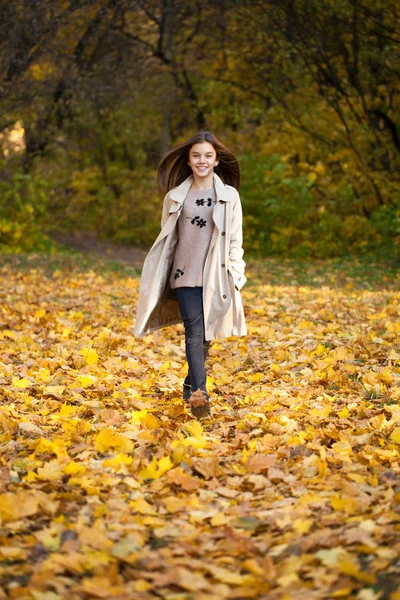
<point>202,158</point>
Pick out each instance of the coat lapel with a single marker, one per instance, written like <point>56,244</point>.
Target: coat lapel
<point>178,195</point>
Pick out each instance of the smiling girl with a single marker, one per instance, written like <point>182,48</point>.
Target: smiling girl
<point>195,268</point>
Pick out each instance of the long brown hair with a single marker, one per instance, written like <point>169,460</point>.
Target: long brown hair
<point>174,168</point>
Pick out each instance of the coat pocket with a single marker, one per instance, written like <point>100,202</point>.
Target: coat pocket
<point>231,279</point>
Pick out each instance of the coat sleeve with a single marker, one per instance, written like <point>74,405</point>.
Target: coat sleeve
<point>237,264</point>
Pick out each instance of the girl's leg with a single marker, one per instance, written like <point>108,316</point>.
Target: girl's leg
<point>187,384</point>
<point>190,301</point>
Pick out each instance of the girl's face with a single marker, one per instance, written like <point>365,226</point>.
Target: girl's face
<point>202,159</point>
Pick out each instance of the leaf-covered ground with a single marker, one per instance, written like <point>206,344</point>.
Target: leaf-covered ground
<point>110,489</point>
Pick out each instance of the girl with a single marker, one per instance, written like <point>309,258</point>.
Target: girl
<point>195,269</point>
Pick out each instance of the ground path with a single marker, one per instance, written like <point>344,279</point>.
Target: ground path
<point>109,489</point>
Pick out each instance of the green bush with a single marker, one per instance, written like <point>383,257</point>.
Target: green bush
<point>277,209</point>
<point>386,220</point>
<point>124,207</point>
<point>283,215</point>
<point>23,208</point>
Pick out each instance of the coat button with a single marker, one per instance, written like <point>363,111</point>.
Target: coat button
<point>224,297</point>
<point>223,233</point>
<point>222,265</point>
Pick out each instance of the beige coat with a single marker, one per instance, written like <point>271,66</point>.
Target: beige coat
<point>223,274</point>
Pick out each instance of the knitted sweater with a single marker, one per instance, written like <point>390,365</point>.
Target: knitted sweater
<point>195,227</point>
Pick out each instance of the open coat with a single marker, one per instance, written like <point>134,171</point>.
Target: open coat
<point>223,274</point>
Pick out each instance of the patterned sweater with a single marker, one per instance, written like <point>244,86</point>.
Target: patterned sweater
<point>195,227</point>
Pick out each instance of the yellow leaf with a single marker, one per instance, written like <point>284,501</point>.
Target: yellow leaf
<point>90,355</point>
<point>100,587</point>
<point>395,435</point>
<point>51,471</point>
<point>344,413</point>
<point>320,349</point>
<point>302,525</point>
<point>197,439</point>
<point>219,519</point>
<point>342,593</point>
<point>386,376</point>
<point>225,576</point>
<point>165,367</point>
<point>190,580</point>
<point>156,468</point>
<point>180,451</point>
<point>322,468</point>
<point>118,461</point>
<point>37,595</point>
<point>195,442</point>
<point>125,550</point>
<point>342,447</point>
<point>74,468</point>
<point>86,380</point>
<point>42,374</point>
<point>138,415</point>
<point>21,384</point>
<point>174,504</point>
<point>255,377</point>
<point>104,335</point>
<point>321,412</point>
<point>108,438</point>
<point>50,537</point>
<point>164,464</point>
<point>349,568</point>
<point>141,585</point>
<point>12,553</point>
<point>288,579</point>
<point>17,506</point>
<point>357,478</point>
<point>76,426</point>
<point>94,538</point>
<point>309,498</point>
<point>67,410</point>
<point>195,428</point>
<point>338,503</point>
<point>56,447</point>
<point>145,418</point>
<point>151,422</point>
<point>253,566</point>
<point>54,389</point>
<point>331,557</point>
<point>147,435</point>
<point>143,507</point>
<point>149,472</point>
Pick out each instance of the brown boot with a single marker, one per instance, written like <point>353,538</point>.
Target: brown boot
<point>199,403</point>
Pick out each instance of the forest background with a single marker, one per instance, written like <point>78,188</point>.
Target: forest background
<point>305,92</point>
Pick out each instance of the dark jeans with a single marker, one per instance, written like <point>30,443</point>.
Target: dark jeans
<point>190,300</point>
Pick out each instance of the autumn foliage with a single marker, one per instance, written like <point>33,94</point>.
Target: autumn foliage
<point>110,489</point>
<point>304,92</point>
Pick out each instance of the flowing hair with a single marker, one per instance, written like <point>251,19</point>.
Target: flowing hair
<point>174,168</point>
